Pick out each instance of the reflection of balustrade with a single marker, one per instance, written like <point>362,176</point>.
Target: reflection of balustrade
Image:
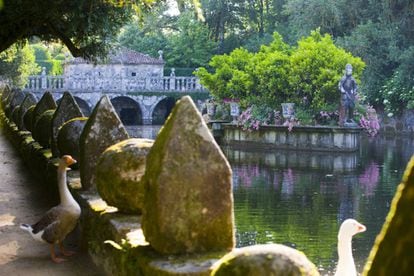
<point>163,84</point>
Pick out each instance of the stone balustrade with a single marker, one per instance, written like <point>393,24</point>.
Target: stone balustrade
<point>128,84</point>
<point>45,82</point>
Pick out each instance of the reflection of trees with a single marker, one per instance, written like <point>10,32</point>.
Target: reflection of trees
<point>303,207</point>
<point>265,214</point>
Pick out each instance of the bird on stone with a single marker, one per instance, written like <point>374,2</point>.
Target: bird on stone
<point>59,221</point>
<point>346,264</point>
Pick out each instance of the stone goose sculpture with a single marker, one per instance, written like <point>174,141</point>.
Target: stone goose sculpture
<point>59,221</point>
<point>346,264</point>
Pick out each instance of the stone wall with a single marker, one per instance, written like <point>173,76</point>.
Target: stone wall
<point>403,124</point>
<point>299,138</point>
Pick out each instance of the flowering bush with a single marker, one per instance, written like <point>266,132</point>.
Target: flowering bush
<point>255,116</point>
<point>370,122</point>
<point>326,118</point>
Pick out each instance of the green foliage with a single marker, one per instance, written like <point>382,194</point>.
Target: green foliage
<point>316,67</point>
<point>307,75</point>
<point>184,40</point>
<point>49,57</point>
<point>232,78</point>
<point>17,63</point>
<point>85,27</point>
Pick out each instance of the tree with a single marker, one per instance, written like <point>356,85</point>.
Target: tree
<point>280,73</point>
<point>84,26</point>
<point>190,45</point>
<point>17,63</point>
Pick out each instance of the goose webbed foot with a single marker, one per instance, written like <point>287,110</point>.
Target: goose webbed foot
<point>65,252</point>
<point>55,259</point>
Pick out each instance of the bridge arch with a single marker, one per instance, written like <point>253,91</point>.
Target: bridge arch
<point>128,110</point>
<point>161,110</point>
<point>84,106</point>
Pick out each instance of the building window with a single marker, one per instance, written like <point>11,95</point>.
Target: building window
<point>133,74</point>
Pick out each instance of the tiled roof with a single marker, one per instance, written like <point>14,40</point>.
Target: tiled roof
<point>124,56</point>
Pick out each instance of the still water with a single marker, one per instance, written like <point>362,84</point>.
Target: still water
<point>300,198</point>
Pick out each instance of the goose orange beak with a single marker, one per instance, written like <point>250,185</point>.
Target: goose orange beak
<point>361,228</point>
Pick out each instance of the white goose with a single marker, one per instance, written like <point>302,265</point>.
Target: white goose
<point>59,221</point>
<point>346,264</point>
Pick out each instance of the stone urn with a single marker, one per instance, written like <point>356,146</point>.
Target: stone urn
<point>211,109</point>
<point>288,110</point>
<point>234,111</point>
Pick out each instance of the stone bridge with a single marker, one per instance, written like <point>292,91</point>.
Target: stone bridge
<point>148,103</point>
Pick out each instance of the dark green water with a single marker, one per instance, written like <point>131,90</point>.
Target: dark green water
<point>300,198</point>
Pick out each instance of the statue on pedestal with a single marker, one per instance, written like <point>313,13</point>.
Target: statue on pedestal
<point>348,87</point>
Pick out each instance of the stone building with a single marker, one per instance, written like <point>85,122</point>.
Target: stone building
<point>124,70</point>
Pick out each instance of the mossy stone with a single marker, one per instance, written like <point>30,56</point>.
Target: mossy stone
<point>28,118</point>
<point>392,253</point>
<point>29,100</point>
<point>103,129</point>
<point>14,115</point>
<point>4,94</point>
<point>68,138</point>
<point>188,203</point>
<point>119,172</point>
<point>269,259</point>
<point>46,102</point>
<point>41,131</point>
<point>13,100</point>
<point>66,110</point>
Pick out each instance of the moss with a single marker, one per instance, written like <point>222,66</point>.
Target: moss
<point>119,172</point>
<point>103,129</point>
<point>67,110</point>
<point>42,128</point>
<point>28,118</point>
<point>270,259</point>
<point>68,138</point>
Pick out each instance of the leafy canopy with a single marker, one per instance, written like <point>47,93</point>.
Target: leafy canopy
<point>84,26</point>
<point>17,63</point>
<point>307,74</point>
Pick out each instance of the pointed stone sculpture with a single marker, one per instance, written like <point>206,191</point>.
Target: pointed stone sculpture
<point>28,101</point>
<point>103,129</point>
<point>14,99</point>
<point>66,110</point>
<point>45,103</point>
<point>188,203</point>
<point>41,128</point>
<point>392,253</point>
<point>69,136</point>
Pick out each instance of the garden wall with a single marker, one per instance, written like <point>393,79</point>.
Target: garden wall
<point>299,138</point>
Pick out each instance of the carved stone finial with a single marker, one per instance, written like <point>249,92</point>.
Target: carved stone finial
<point>160,52</point>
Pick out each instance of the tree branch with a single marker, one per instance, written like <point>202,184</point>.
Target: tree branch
<point>76,52</point>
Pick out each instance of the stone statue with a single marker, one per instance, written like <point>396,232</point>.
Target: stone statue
<point>348,87</point>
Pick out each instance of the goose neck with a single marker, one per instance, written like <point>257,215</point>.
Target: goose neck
<point>66,197</point>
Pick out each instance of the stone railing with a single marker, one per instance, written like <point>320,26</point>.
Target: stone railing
<point>45,82</point>
<point>164,84</point>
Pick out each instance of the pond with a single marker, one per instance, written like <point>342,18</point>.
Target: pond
<point>300,198</point>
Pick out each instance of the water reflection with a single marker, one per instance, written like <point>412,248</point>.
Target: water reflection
<point>300,198</point>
